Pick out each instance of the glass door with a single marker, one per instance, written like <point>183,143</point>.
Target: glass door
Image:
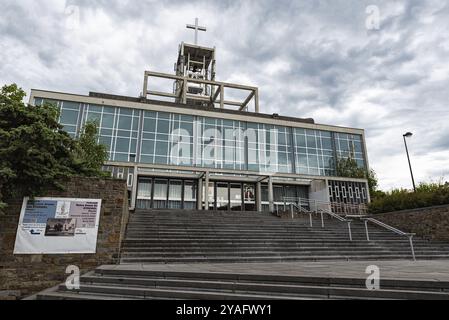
<point>190,195</point>
<point>222,198</point>
<point>249,197</point>
<point>235,196</point>
<point>144,188</point>
<point>160,194</point>
<point>175,194</point>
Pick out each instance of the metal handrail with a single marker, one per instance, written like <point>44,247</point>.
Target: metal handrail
<point>321,211</point>
<point>302,210</point>
<point>361,207</point>
<point>336,216</point>
<point>390,228</point>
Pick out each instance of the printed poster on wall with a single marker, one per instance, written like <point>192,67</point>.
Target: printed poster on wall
<point>58,226</point>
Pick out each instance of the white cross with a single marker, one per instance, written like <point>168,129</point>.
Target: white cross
<point>196,27</point>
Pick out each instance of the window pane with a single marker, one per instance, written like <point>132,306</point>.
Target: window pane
<point>124,122</point>
<point>108,121</point>
<point>163,126</point>
<point>92,108</point>
<point>93,116</point>
<point>122,145</point>
<point>147,146</point>
<point>161,148</point>
<point>149,125</point>
<point>70,105</point>
<point>69,117</point>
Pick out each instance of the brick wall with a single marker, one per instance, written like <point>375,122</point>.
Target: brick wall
<point>22,275</point>
<point>430,223</point>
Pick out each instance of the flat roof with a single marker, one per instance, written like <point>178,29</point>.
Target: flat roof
<point>166,106</point>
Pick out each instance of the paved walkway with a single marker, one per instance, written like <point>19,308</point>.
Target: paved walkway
<point>437,270</point>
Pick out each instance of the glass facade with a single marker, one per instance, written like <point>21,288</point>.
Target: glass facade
<point>165,138</point>
<point>314,152</point>
<point>350,145</point>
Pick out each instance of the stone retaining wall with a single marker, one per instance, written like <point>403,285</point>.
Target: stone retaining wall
<point>23,275</point>
<point>429,223</point>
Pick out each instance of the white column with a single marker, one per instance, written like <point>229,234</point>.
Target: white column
<point>206,195</point>
<point>259,196</point>
<point>270,194</point>
<point>134,189</point>
<point>200,194</point>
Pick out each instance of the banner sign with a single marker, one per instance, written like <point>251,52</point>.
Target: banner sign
<point>58,226</point>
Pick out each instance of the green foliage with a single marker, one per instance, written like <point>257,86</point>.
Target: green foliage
<point>348,167</point>
<point>36,153</point>
<point>427,194</point>
<point>89,155</point>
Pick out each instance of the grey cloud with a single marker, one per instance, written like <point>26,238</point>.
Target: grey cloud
<point>385,81</point>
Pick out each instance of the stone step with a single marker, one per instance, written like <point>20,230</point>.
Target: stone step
<point>278,236</point>
<point>177,293</point>
<point>294,289</point>
<point>347,253</point>
<point>238,259</point>
<point>194,230</point>
<point>272,277</point>
<point>203,248</point>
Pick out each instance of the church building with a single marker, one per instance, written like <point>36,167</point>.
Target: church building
<point>203,144</point>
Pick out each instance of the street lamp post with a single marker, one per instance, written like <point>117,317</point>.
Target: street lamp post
<point>408,135</point>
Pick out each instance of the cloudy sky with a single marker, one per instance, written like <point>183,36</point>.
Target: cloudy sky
<point>321,59</point>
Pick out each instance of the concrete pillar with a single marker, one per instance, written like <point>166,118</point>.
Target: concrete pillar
<point>200,194</point>
<point>134,189</point>
<point>270,194</point>
<point>259,196</point>
<point>206,194</point>
<point>221,97</point>
<point>256,101</point>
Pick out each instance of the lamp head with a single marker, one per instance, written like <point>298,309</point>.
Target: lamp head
<point>408,134</point>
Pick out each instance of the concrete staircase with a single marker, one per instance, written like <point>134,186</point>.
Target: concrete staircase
<point>221,237</point>
<point>176,255</point>
<point>134,282</point>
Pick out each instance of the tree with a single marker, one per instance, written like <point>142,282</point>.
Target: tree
<point>348,167</point>
<point>35,153</point>
<point>89,155</point>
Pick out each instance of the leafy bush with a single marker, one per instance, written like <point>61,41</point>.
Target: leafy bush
<point>426,195</point>
<point>36,153</point>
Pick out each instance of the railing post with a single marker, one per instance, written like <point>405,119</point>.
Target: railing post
<point>349,229</point>
<point>410,239</point>
<point>291,209</point>
<point>310,218</point>
<point>366,230</point>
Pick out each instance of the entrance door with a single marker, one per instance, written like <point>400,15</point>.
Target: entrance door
<point>175,194</point>
<point>249,197</point>
<point>160,194</point>
<point>222,197</point>
<point>144,190</point>
<point>190,192</point>
<point>235,196</point>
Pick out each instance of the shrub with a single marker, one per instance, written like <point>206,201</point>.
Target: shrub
<point>426,195</point>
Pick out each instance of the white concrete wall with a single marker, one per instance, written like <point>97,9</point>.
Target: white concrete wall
<point>319,192</point>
